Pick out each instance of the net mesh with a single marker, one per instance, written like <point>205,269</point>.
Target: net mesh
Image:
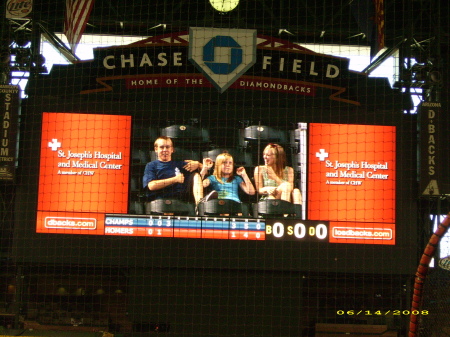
<point>435,299</point>
<point>86,250</point>
<point>426,318</point>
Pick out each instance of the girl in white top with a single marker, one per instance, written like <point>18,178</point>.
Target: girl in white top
<point>274,179</point>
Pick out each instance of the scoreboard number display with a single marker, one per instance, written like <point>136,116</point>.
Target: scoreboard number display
<point>185,227</point>
<point>296,230</point>
<point>216,228</point>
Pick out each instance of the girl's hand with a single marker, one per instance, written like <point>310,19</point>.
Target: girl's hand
<point>241,171</point>
<point>271,191</point>
<point>271,173</point>
<point>207,163</point>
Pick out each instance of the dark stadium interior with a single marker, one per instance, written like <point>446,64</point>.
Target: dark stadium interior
<point>138,286</point>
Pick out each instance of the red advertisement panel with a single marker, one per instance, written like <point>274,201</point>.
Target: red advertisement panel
<point>84,163</point>
<point>351,178</point>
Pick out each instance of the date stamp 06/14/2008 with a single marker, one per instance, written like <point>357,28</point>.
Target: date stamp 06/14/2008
<point>382,312</point>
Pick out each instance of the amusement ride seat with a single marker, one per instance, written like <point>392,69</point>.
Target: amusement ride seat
<point>170,206</point>
<point>276,208</point>
<point>223,206</point>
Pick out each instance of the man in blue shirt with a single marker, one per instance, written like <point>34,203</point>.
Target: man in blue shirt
<point>168,179</point>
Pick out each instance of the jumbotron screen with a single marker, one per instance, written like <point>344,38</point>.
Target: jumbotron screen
<point>347,180</point>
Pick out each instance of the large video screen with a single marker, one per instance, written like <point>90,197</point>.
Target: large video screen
<point>346,175</point>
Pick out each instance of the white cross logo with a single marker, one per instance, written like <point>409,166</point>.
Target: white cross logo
<point>54,144</point>
<point>322,154</point>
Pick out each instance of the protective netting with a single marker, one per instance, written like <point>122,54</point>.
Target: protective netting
<point>426,305</point>
<point>192,170</point>
<point>435,300</point>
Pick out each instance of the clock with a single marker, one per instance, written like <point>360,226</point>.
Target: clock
<point>224,6</point>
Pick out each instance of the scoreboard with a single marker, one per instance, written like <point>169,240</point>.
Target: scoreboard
<point>185,227</point>
<point>215,228</point>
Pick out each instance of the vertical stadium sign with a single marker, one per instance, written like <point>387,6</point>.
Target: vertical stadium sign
<point>9,95</point>
<point>430,155</point>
